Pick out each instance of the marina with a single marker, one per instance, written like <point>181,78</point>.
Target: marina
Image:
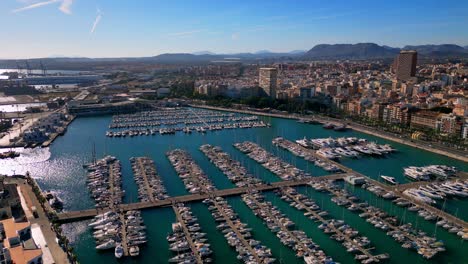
<point>114,229</point>
<point>299,151</point>
<point>139,147</point>
<point>405,234</point>
<point>383,189</point>
<point>185,236</point>
<point>168,121</point>
<point>278,223</point>
<point>349,147</point>
<point>338,230</point>
<point>274,164</point>
<point>237,233</point>
<point>150,186</point>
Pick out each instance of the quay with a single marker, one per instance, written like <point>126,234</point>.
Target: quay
<point>73,216</point>
<point>321,219</point>
<point>187,234</point>
<point>62,131</point>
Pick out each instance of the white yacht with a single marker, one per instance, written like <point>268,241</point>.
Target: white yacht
<point>389,179</point>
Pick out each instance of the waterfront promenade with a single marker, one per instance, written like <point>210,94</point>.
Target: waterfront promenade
<point>87,214</point>
<point>452,153</point>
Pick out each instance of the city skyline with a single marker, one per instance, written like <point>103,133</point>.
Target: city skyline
<point>77,28</point>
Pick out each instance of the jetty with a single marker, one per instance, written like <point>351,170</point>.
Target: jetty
<point>221,209</point>
<point>150,185</point>
<point>187,234</point>
<point>73,216</point>
<point>278,222</point>
<point>124,235</point>
<point>401,233</point>
<point>363,250</point>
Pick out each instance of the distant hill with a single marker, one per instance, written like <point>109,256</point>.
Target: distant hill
<point>350,51</point>
<point>297,52</point>
<point>437,50</point>
<point>205,52</point>
<point>359,51</point>
<point>263,52</point>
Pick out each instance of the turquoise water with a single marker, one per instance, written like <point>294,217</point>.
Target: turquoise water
<point>60,168</point>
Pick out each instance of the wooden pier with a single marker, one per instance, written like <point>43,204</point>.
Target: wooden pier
<point>187,234</point>
<point>90,213</point>
<point>321,219</point>
<point>439,213</point>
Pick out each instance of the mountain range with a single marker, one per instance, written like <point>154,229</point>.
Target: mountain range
<point>372,50</point>
<point>318,52</point>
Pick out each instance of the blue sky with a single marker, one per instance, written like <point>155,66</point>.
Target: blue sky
<point>42,28</point>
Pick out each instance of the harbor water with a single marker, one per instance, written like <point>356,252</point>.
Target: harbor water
<point>59,168</point>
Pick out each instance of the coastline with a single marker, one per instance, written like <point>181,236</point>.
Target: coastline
<point>354,126</point>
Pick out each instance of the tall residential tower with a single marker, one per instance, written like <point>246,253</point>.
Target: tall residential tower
<point>405,64</point>
<point>267,80</point>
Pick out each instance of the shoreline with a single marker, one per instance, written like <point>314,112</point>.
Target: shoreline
<point>354,126</point>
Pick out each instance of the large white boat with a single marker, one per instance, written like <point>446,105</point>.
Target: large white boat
<point>304,142</point>
<point>416,174</point>
<point>389,179</point>
<point>106,245</point>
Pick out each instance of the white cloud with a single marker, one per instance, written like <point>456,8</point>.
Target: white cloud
<point>35,5</point>
<point>96,21</point>
<point>65,7</point>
